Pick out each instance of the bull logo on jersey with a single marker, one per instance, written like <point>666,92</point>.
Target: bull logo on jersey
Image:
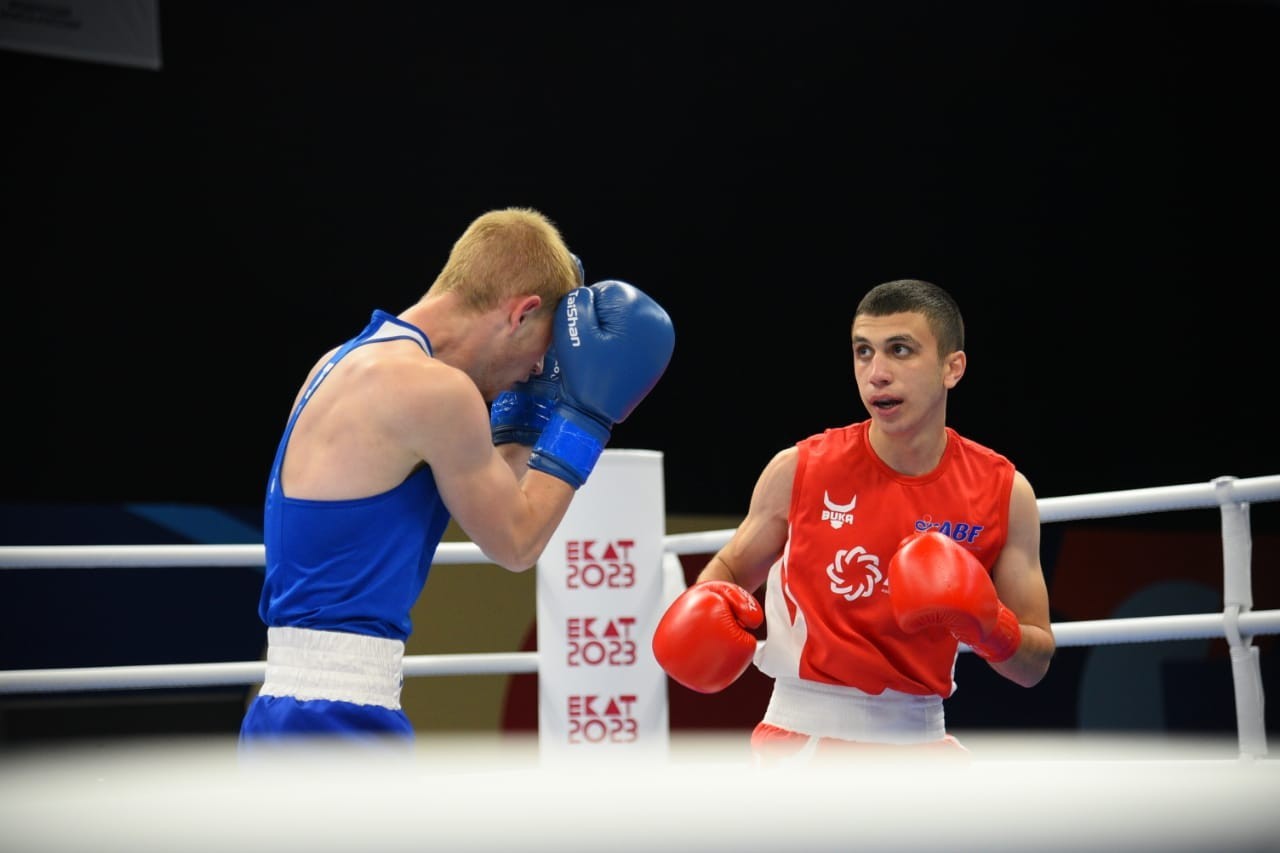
<point>838,514</point>
<point>854,573</point>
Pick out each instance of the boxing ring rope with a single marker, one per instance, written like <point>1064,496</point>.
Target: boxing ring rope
<point>1237,622</point>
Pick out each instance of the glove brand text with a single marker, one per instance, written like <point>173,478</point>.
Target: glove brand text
<point>571,315</point>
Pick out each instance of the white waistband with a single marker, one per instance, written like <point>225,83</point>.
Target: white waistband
<point>309,664</point>
<point>827,710</point>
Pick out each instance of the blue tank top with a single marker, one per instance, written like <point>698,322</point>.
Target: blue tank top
<point>351,565</point>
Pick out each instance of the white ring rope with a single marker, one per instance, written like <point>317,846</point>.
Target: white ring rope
<point>247,672</point>
<point>175,556</point>
<point>1081,633</point>
<point>1072,507</point>
<point>1220,492</point>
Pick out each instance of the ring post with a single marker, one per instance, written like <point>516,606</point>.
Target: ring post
<point>1237,594</point>
<point>601,693</point>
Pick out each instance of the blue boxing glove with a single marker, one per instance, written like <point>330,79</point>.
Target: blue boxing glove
<point>613,343</point>
<point>519,415</point>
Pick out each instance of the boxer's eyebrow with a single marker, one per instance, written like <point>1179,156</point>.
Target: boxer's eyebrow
<point>903,338</point>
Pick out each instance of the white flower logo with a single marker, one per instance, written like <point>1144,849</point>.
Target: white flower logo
<point>866,572</point>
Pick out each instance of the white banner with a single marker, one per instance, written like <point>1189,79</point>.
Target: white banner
<point>119,32</point>
<point>600,595</point>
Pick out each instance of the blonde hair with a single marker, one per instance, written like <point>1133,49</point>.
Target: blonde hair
<point>513,251</point>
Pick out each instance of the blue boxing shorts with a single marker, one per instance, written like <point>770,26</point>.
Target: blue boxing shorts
<point>328,686</point>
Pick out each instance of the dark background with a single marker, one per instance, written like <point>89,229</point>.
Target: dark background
<point>1095,181</point>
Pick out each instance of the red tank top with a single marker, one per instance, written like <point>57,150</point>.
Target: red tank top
<point>827,601</point>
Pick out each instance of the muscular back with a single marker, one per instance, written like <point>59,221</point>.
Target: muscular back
<point>353,438</point>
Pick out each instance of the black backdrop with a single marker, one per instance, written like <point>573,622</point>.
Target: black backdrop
<point>1095,181</point>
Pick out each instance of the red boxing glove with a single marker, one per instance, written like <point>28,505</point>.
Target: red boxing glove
<point>934,581</point>
<point>702,640</point>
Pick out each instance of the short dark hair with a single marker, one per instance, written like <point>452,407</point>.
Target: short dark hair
<point>912,295</point>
